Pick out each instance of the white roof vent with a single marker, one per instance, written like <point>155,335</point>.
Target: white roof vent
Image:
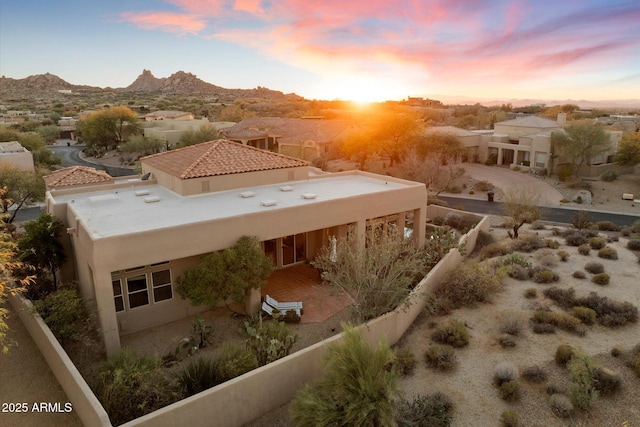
<point>286,188</point>
<point>152,199</point>
<point>103,198</point>
<point>142,192</point>
<point>309,196</point>
<point>247,194</point>
<point>269,202</point>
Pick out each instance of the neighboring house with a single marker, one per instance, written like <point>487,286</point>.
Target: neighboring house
<point>129,239</point>
<point>302,138</point>
<point>471,141</point>
<point>170,131</point>
<point>168,115</point>
<point>15,155</point>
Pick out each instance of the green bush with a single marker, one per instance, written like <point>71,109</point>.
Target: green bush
<point>64,313</point>
<point>495,249</point>
<point>633,245</point>
<point>552,243</point>
<point>608,253</point>
<point>129,387</point>
<point>518,272</point>
<point>530,293</point>
<point>534,374</point>
<point>558,319</point>
<point>515,259</point>
<point>594,267</point>
<point>469,284</point>
<point>609,176</point>
<point>610,313</point>
<point>405,361</point>
<point>438,220</point>
<point>442,357</point>
<point>510,391</point>
<point>545,276</point>
<point>625,231</point>
<point>579,275</point>
<point>268,341</point>
<point>586,315</point>
<point>601,279</point>
<point>607,226</point>
<point>198,375</point>
<point>232,361</point>
<point>564,256</point>
<point>452,332</point>
<point>434,411</point>
<point>597,243</point>
<point>582,390</point>
<point>510,419</point>
<point>357,388</point>
<point>635,227</point>
<point>584,249</point>
<point>564,353</point>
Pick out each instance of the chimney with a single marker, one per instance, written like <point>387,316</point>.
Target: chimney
<point>562,119</point>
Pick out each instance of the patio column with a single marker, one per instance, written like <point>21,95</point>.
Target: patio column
<point>515,158</point>
<point>499,161</point>
<point>419,225</point>
<point>361,231</point>
<point>400,224</point>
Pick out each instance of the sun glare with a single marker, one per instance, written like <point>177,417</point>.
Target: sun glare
<point>363,90</point>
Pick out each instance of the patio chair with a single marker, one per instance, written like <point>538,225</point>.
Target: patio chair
<point>282,314</point>
<point>284,306</point>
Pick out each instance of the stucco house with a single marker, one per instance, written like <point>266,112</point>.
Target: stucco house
<point>130,238</point>
<point>302,138</point>
<point>168,115</point>
<point>13,154</point>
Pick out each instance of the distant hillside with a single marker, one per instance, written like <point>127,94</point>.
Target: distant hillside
<point>179,83</point>
<point>624,104</point>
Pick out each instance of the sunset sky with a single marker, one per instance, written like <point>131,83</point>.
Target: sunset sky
<point>329,49</point>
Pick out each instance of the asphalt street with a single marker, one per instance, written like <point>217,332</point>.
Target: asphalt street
<point>70,156</point>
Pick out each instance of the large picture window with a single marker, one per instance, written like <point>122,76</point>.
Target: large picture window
<point>161,281</point>
<point>137,291</point>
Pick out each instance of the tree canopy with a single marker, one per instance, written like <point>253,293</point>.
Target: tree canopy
<point>580,142</point>
<point>20,187</point>
<point>206,132</point>
<point>40,245</point>
<point>226,274</point>
<point>108,128</point>
<point>521,206</point>
<point>629,150</point>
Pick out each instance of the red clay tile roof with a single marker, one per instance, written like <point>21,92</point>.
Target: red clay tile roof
<point>77,175</point>
<point>220,157</point>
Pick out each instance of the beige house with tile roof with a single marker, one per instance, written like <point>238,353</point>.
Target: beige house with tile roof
<point>129,240</point>
<point>76,176</point>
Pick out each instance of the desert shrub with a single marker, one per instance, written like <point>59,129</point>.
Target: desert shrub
<point>405,361</point>
<point>564,256</point>
<point>575,239</point>
<point>634,244</point>
<point>129,387</point>
<point>530,293</point>
<point>504,372</point>
<point>597,243</point>
<point>610,313</point>
<point>635,364</point>
<point>552,243</point>
<point>545,276</point>
<point>511,322</point>
<point>582,390</point>
<point>609,176</point>
<point>586,315</point>
<point>197,375</point>
<point>601,279</point>
<point>510,391</point>
<point>515,259</point>
<point>625,231</point>
<point>438,220</point>
<point>579,274</point>
<point>442,357</point>
<point>564,353</point>
<point>635,227</point>
<point>64,313</point>
<point>495,249</point>
<point>608,253</point>
<point>581,219</point>
<point>268,341</point>
<point>528,243</point>
<point>510,419</point>
<point>506,340</point>
<point>453,220</point>
<point>606,381</point>
<point>518,272</point>
<point>232,361</point>
<point>543,328</point>
<point>452,332</point>
<point>584,249</point>
<point>607,226</point>
<point>558,319</point>
<point>357,387</point>
<point>483,186</point>
<point>534,374</point>
<point>564,298</point>
<point>434,411</point>
<point>538,225</point>
<point>469,284</point>
<point>561,405</point>
<point>594,267</point>
<point>546,258</point>
<point>565,172</point>
<point>616,351</point>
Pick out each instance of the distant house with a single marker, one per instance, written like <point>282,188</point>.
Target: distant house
<point>76,176</point>
<point>302,138</point>
<point>170,131</point>
<point>13,154</point>
<point>168,115</point>
<point>128,239</point>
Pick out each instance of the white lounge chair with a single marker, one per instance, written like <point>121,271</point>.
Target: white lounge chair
<point>284,306</point>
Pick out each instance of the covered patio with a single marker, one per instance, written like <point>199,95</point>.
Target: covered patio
<point>303,283</point>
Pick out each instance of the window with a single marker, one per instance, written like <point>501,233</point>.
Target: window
<point>117,295</point>
<point>161,282</point>
<point>137,292</point>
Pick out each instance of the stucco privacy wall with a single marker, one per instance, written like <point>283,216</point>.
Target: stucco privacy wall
<point>85,404</point>
<point>250,396</point>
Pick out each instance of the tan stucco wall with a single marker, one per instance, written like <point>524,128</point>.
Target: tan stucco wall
<point>22,161</point>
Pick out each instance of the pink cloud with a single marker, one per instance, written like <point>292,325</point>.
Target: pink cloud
<point>170,22</point>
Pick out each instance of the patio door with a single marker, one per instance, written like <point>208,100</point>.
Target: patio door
<point>294,249</point>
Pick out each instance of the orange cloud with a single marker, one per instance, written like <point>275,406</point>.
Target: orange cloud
<point>180,24</point>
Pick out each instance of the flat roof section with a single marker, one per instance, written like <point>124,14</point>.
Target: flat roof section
<point>122,211</point>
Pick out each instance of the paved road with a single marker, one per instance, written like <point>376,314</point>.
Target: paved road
<point>562,215</point>
<point>70,156</point>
